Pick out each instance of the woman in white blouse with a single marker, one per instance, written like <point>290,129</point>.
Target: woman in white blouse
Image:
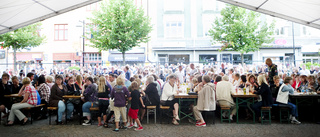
<point>167,98</point>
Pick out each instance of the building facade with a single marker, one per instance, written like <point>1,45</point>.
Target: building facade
<point>180,34</point>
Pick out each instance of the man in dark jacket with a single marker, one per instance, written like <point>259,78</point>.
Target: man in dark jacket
<point>151,92</point>
<point>5,89</point>
<point>152,97</point>
<point>272,71</point>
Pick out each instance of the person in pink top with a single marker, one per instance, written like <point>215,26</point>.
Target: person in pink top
<point>30,100</point>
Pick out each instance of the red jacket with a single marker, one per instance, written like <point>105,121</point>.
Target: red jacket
<point>295,83</point>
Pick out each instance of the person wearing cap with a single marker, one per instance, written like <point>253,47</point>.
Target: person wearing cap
<point>272,70</point>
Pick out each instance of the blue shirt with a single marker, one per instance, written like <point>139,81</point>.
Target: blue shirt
<point>127,75</point>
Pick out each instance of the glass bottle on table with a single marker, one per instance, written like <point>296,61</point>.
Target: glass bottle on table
<point>244,90</point>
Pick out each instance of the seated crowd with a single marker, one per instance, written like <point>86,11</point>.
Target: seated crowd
<point>116,92</point>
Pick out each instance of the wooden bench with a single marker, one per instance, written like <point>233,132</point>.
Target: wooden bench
<point>32,112</point>
<point>152,109</point>
<point>266,110</point>
<point>50,109</point>
<point>164,108</point>
<point>94,109</point>
<point>225,109</point>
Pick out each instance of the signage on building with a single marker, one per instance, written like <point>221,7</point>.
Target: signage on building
<point>280,42</point>
<point>128,57</point>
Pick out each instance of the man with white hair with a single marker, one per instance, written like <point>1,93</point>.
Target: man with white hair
<point>316,70</point>
<point>224,90</point>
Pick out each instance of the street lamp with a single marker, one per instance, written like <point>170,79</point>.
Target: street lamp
<point>293,44</point>
<point>83,27</point>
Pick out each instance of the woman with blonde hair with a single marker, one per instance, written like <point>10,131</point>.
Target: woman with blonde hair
<point>103,95</point>
<point>79,81</point>
<point>265,93</point>
<point>120,94</point>
<point>30,100</point>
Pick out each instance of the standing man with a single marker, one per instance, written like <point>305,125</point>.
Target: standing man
<point>126,72</point>
<point>272,71</point>
<point>180,74</point>
<point>112,79</point>
<point>113,71</point>
<point>193,70</point>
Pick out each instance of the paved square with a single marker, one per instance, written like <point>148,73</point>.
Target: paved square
<point>41,128</point>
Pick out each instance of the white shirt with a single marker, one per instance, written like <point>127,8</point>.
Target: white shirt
<point>180,75</point>
<point>224,90</point>
<point>168,92</point>
<point>230,78</point>
<point>306,72</point>
<point>193,71</point>
<point>236,83</point>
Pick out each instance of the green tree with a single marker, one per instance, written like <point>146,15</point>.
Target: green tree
<point>240,30</point>
<point>119,25</point>
<point>22,38</point>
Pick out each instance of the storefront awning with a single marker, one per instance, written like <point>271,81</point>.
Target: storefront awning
<point>128,57</point>
<point>29,56</point>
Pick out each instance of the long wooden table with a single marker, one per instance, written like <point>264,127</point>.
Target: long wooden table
<point>244,98</point>
<point>12,95</point>
<point>186,97</point>
<point>303,98</point>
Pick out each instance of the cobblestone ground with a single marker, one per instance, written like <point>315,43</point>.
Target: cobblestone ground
<point>41,128</point>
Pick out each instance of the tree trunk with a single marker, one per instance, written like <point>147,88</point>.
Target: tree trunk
<point>15,58</point>
<point>123,59</point>
<point>242,61</point>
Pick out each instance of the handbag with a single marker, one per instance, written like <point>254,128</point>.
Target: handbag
<point>147,101</point>
<point>111,105</point>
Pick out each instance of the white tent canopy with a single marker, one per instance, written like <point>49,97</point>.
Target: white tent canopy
<point>15,14</point>
<point>305,12</point>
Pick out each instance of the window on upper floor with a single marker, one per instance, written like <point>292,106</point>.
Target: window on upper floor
<point>61,32</point>
<point>174,29</point>
<point>92,57</point>
<point>207,21</point>
<point>282,31</point>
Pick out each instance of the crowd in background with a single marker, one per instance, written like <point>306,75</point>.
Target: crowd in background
<point>117,89</point>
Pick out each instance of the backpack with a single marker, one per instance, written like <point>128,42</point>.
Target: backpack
<point>38,98</point>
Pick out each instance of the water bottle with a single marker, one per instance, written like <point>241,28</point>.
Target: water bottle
<point>303,89</point>
<point>244,90</point>
<point>248,90</point>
